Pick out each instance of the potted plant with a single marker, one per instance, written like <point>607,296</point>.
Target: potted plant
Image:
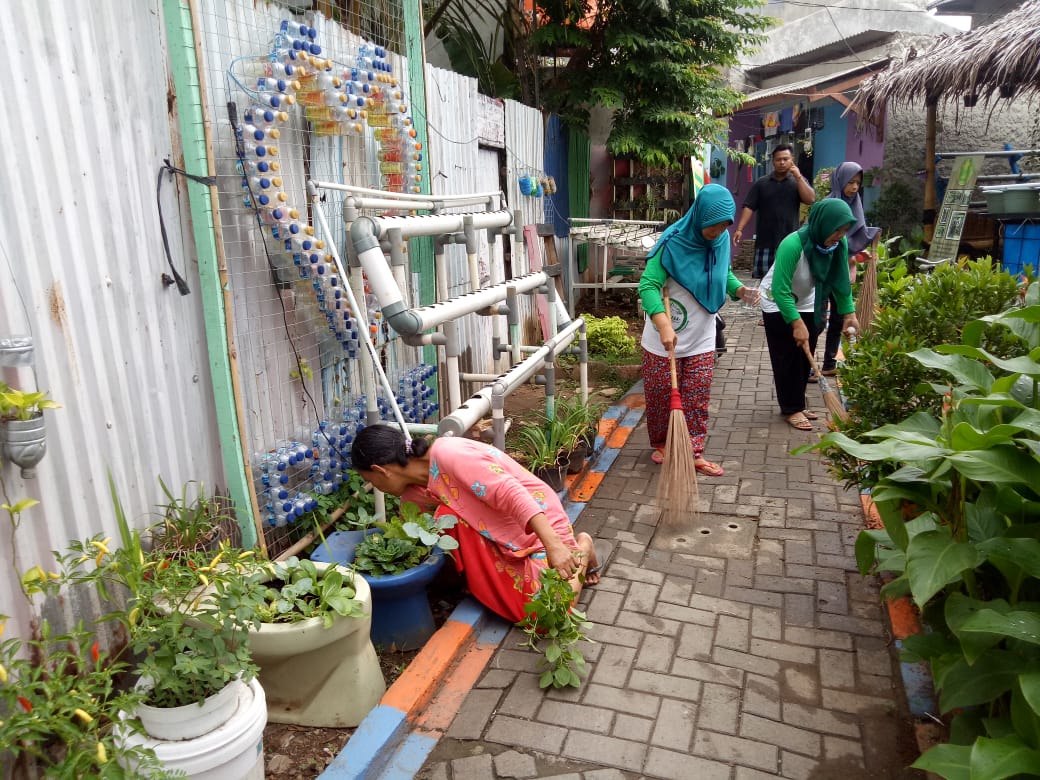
<point>22,431</point>
<point>313,645</point>
<point>399,560</point>
<point>201,523</point>
<point>186,621</point>
<point>579,421</point>
<point>542,447</point>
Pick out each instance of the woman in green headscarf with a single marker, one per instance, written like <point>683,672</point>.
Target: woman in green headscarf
<point>691,259</point>
<point>811,265</point>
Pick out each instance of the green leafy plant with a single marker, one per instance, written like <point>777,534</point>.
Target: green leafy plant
<point>20,405</point>
<point>578,419</point>
<point>404,541</point>
<point>186,616</point>
<point>896,209</point>
<point>608,337</point>
<point>554,628</point>
<point>543,443</point>
<point>295,590</point>
<point>882,383</point>
<point>192,523</point>
<point>959,507</point>
<point>61,702</point>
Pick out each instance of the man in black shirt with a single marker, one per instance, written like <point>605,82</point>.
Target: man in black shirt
<point>776,198</point>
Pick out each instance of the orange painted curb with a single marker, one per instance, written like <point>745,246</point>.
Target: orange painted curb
<point>413,689</point>
<point>606,427</point>
<point>619,437</point>
<point>634,401</point>
<point>445,705</point>
<point>903,615</point>
<point>583,491</point>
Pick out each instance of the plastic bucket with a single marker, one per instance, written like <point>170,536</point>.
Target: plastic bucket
<point>1022,199</point>
<point>994,199</point>
<point>234,751</point>
<point>338,547</point>
<point>1021,247</point>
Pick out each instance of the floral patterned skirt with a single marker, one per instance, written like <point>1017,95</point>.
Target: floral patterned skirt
<point>694,374</point>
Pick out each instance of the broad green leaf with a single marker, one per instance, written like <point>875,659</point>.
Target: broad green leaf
<point>1024,553</point>
<point>1029,684</point>
<point>998,728</point>
<point>965,437</point>
<point>921,423</point>
<point>889,449</point>
<point>927,647</point>
<point>552,652</point>
<point>962,368</point>
<point>1003,463</point>
<point>934,560</point>
<point>952,762</point>
<point>900,586</point>
<point>892,519</point>
<point>866,549</point>
<point>959,611</point>
<point>995,759</point>
<point>1024,718</point>
<point>1016,365</point>
<point>993,675</point>
<point>1019,623</point>
<point>984,521</point>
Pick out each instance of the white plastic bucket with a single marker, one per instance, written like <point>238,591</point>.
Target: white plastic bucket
<point>234,751</point>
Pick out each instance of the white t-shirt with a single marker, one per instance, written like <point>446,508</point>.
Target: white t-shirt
<point>803,287</point>
<point>694,326</point>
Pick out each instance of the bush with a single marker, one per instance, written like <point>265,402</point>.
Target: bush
<point>881,383</point>
<point>897,209</point>
<point>608,337</point>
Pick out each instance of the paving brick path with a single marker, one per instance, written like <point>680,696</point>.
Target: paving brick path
<point>764,656</point>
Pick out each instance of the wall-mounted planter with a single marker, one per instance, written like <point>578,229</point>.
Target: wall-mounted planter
<point>16,351</point>
<point>24,443</point>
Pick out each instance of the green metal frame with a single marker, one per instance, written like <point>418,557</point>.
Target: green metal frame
<point>180,38</point>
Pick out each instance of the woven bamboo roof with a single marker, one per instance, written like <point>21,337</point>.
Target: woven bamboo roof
<point>1004,54</point>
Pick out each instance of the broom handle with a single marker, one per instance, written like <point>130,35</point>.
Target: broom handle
<point>671,350</point>
<point>812,360</point>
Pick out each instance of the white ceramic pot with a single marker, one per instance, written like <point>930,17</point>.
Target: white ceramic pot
<point>191,720</point>
<point>233,750</point>
<point>317,676</point>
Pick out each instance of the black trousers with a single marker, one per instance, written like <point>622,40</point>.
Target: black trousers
<point>790,365</point>
<point>833,341</point>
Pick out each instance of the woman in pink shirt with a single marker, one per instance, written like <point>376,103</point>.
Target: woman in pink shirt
<point>511,525</point>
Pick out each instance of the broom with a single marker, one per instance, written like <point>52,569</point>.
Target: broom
<point>866,303</point>
<point>831,396</point>
<point>677,485</point>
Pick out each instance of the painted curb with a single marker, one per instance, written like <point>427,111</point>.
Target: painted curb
<point>393,741</point>
<point>905,621</point>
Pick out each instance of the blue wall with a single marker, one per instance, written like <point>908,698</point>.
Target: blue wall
<point>558,207</point>
<point>829,144</point>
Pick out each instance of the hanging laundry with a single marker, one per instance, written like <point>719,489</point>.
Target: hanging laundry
<point>787,120</point>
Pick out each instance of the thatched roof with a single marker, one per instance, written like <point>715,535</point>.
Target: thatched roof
<point>1000,60</point>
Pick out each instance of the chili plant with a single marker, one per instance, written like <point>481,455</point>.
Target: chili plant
<point>554,628</point>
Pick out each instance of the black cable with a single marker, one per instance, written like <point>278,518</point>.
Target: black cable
<point>209,181</point>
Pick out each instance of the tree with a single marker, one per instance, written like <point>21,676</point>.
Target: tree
<point>657,63</point>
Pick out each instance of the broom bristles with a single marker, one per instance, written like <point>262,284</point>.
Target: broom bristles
<point>677,491</point>
<point>866,304</point>
<point>832,400</point>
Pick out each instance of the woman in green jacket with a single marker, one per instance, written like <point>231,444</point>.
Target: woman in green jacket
<point>691,259</point>
<point>812,264</point>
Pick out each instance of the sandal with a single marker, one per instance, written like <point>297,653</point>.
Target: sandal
<point>799,421</point>
<point>707,468</point>
<point>657,456</point>
<point>810,415</point>
<point>829,371</point>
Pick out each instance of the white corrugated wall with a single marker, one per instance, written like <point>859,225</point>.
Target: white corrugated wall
<point>85,132</point>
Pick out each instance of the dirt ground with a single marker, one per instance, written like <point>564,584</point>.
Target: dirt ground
<point>302,753</point>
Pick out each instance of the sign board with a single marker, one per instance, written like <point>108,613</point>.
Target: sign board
<point>950,224</point>
<point>491,122</point>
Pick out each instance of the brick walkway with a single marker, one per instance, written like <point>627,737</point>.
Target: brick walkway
<point>747,649</point>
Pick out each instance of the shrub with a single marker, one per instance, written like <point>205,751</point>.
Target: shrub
<point>881,383</point>
<point>608,337</point>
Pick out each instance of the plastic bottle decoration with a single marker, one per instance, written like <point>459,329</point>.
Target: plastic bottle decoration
<point>526,184</point>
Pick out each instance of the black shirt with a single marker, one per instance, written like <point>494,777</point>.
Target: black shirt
<point>776,205</point>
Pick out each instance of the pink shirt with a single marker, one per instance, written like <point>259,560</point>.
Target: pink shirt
<point>491,493</point>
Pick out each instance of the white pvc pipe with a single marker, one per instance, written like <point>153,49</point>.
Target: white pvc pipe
<point>357,309</point>
<point>361,202</point>
<point>476,197</point>
<point>437,224</point>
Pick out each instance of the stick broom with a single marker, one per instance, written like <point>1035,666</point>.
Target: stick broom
<point>677,485</point>
<point>831,396</point>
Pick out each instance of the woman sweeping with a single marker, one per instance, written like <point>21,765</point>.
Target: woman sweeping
<point>692,259</point>
<point>846,184</point>
<point>811,265</point>
<point>510,527</point>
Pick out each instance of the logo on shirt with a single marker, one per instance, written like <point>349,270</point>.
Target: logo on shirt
<point>680,316</point>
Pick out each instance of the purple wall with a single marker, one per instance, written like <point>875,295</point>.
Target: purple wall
<point>741,125</point>
<point>862,146</point>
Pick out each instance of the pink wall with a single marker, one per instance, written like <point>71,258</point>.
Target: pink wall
<point>861,146</point>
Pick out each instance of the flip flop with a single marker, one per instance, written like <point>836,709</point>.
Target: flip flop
<point>604,549</point>
<point>708,469</point>
<point>799,421</point>
<point>657,456</point>
<point>810,415</point>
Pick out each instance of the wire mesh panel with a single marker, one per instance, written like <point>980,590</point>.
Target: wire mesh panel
<point>292,98</point>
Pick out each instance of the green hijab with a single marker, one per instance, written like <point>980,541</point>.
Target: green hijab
<point>830,270</point>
